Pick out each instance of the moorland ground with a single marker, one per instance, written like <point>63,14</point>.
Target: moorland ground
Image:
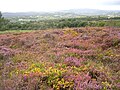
<point>61,59</point>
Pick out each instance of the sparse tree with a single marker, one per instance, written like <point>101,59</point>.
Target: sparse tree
<point>0,14</point>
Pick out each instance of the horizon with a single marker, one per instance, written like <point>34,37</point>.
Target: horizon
<point>14,6</point>
<point>58,10</point>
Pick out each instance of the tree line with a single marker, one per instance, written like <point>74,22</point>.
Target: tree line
<point>59,23</point>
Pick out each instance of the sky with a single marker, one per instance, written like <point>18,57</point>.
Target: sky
<point>56,5</point>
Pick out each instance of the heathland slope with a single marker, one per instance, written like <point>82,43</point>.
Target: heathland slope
<point>68,59</point>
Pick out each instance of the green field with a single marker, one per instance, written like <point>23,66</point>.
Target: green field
<point>14,31</point>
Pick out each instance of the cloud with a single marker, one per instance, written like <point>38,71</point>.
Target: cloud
<point>56,5</point>
<point>111,2</point>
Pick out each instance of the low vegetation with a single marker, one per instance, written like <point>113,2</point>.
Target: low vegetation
<point>61,59</point>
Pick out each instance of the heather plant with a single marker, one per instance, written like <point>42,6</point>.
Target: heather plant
<point>81,53</point>
<point>81,82</point>
<point>72,61</point>
<point>5,51</point>
<point>84,82</point>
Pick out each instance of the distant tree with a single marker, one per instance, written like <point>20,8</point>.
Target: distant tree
<point>4,23</point>
<point>0,14</point>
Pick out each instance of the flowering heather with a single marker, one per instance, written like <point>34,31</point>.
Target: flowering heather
<point>8,52</point>
<point>67,59</point>
<point>81,52</point>
<point>72,61</point>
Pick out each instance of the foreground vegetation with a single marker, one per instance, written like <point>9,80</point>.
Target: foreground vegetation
<point>62,59</point>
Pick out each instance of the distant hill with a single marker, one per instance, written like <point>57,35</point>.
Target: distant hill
<point>92,11</point>
<point>88,12</point>
<point>20,14</point>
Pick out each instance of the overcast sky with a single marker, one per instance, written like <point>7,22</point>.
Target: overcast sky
<point>56,5</point>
